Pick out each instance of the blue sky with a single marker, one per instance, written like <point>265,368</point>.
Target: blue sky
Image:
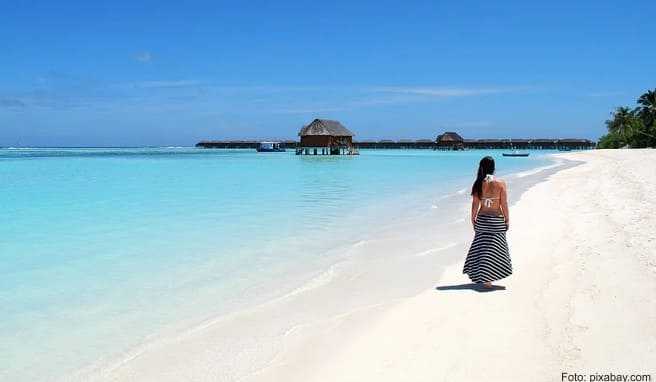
<point>166,73</point>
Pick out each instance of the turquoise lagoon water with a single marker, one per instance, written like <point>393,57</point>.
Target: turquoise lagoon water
<point>101,249</point>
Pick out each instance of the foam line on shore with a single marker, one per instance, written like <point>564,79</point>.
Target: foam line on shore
<point>522,174</point>
<point>436,250</point>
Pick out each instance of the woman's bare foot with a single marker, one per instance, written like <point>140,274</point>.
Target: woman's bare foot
<point>488,285</point>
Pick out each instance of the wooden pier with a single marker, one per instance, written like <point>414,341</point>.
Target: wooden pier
<point>520,144</point>
<point>346,145</point>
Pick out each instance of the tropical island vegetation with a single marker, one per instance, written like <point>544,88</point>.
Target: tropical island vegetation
<point>632,127</point>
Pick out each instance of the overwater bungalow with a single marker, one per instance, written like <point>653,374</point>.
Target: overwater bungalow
<point>544,144</point>
<point>520,143</point>
<point>453,141</point>
<point>326,137</point>
<point>450,141</point>
<point>574,143</point>
<point>423,144</point>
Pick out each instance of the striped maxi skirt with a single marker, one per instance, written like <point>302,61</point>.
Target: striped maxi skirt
<point>488,258</point>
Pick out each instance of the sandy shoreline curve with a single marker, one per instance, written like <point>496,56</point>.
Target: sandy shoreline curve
<point>581,299</point>
<point>583,244</point>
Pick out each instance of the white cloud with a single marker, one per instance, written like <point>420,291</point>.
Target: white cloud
<point>310,110</point>
<point>394,95</point>
<point>470,124</point>
<point>11,103</point>
<point>143,56</point>
<point>166,84</point>
<point>605,94</point>
<point>445,92</point>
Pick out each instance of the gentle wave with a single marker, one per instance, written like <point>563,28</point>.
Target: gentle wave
<point>435,250</point>
<point>538,170</point>
<point>317,281</point>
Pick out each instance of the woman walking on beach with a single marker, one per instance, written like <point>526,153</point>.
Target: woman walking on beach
<point>488,258</point>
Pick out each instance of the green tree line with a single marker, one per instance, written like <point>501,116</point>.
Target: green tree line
<point>632,127</point>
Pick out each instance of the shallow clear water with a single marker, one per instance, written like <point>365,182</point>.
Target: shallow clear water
<point>102,248</point>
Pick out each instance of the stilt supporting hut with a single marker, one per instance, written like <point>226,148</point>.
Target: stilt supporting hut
<point>326,137</point>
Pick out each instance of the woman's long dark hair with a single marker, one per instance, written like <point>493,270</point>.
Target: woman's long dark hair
<point>485,167</point>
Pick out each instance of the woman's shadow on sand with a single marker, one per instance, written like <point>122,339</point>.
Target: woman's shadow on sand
<point>471,286</point>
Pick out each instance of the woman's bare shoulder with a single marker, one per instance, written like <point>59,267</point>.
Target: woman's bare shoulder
<point>500,182</point>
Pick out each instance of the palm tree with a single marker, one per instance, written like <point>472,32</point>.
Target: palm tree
<point>633,128</point>
<point>622,122</point>
<point>647,108</point>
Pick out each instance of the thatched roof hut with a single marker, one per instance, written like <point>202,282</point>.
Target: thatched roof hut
<point>325,127</point>
<point>449,136</point>
<point>328,135</point>
<point>450,140</point>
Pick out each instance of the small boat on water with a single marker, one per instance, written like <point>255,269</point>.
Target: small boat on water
<point>269,147</point>
<point>515,154</point>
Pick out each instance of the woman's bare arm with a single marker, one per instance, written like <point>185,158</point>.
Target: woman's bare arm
<point>503,202</point>
<point>476,204</point>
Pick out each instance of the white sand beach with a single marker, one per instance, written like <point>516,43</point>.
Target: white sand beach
<point>581,299</point>
<point>583,245</point>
